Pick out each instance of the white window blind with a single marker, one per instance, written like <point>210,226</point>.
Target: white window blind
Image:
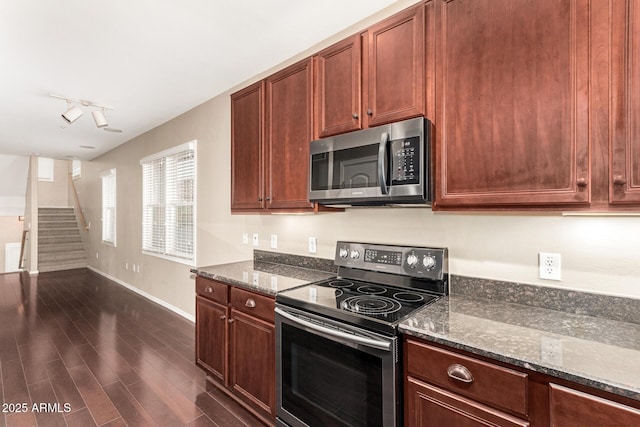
<point>168,203</point>
<point>76,168</point>
<point>109,207</point>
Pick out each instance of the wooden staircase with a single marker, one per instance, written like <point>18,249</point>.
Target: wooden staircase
<point>59,242</point>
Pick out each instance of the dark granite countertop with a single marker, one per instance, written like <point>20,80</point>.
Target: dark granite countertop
<point>264,277</point>
<point>596,352</point>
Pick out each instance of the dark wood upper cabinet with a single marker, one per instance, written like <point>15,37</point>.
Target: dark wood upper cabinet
<point>289,129</point>
<point>512,104</point>
<point>372,78</point>
<point>624,173</point>
<point>338,88</point>
<point>393,85</point>
<point>247,134</point>
<point>271,127</point>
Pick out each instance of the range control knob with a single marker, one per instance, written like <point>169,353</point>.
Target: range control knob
<point>412,261</point>
<point>344,253</point>
<point>355,254</point>
<point>428,262</point>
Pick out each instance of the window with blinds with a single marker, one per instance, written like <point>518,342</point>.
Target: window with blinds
<point>168,203</point>
<point>109,207</point>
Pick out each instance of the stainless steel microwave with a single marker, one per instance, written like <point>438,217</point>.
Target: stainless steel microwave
<point>388,164</point>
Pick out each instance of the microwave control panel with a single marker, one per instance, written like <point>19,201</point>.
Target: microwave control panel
<point>405,161</point>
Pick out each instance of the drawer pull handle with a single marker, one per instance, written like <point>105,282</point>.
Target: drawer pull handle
<point>250,303</point>
<point>460,373</point>
<point>208,289</point>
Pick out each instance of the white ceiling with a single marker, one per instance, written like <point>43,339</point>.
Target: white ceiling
<point>151,60</point>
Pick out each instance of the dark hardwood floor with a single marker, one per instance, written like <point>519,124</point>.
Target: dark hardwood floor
<point>77,349</point>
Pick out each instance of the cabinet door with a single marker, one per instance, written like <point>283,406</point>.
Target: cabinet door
<point>395,68</point>
<point>247,118</point>
<point>512,104</point>
<point>624,179</point>
<point>338,83</point>
<point>570,408</point>
<point>211,337</point>
<point>252,361</point>
<point>428,406</point>
<point>289,131</point>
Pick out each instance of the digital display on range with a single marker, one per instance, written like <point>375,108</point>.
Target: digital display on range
<point>383,257</point>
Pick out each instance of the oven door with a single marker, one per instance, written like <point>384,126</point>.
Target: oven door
<point>330,373</point>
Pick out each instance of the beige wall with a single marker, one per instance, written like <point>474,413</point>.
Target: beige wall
<point>599,254</point>
<point>10,232</point>
<point>55,193</point>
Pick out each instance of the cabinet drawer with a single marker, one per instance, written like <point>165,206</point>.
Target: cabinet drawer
<point>494,385</point>
<point>215,291</point>
<point>254,304</point>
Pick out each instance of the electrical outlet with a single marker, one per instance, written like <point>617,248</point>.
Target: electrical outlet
<point>313,245</point>
<point>256,241</point>
<point>274,241</point>
<point>245,238</point>
<point>549,266</point>
<point>551,350</point>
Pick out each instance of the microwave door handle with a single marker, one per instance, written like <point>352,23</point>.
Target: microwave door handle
<point>369,342</point>
<point>381,157</point>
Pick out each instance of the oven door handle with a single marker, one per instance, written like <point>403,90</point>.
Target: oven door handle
<point>369,342</point>
<point>382,151</point>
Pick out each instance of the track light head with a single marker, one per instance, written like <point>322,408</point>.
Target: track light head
<point>99,118</point>
<point>72,114</point>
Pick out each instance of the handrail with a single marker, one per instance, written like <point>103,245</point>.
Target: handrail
<point>24,239</point>
<point>83,221</point>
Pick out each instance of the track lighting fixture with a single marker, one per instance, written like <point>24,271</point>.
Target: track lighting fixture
<point>74,112</point>
<point>99,118</point>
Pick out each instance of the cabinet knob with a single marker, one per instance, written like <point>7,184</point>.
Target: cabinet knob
<point>208,289</point>
<point>582,182</point>
<point>223,317</point>
<point>460,373</point>
<point>268,199</point>
<point>354,115</point>
<point>250,303</point>
<point>259,199</point>
<point>369,112</point>
<point>230,320</point>
<point>619,180</point>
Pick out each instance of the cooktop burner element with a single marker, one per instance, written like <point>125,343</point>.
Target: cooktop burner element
<point>371,305</point>
<point>376,287</point>
<point>340,284</point>
<point>372,290</point>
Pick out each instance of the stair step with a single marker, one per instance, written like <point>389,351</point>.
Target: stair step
<point>60,266</point>
<point>63,239</point>
<point>50,257</point>
<point>56,218</point>
<point>57,224</point>
<point>53,211</point>
<point>59,232</point>
<point>59,247</point>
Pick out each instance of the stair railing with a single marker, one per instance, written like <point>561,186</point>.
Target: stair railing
<point>83,221</point>
<point>24,241</point>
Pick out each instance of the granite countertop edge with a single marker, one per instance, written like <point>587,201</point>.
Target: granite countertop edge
<point>519,361</point>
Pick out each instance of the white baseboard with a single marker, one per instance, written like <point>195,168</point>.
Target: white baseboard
<point>146,295</point>
<point>33,272</point>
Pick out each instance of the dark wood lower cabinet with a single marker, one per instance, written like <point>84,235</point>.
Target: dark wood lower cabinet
<point>211,341</point>
<point>252,361</point>
<point>235,344</point>
<point>452,388</point>
<point>427,405</point>
<point>572,408</point>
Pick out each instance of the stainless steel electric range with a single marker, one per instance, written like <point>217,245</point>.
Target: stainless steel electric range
<point>338,350</point>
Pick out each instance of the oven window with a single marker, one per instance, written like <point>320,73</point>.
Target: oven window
<point>326,383</point>
<point>349,168</point>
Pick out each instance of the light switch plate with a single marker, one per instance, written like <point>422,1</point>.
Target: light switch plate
<point>313,245</point>
<point>274,241</point>
<point>256,241</point>
<point>245,238</point>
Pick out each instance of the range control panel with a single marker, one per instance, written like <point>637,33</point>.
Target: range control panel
<point>428,263</point>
